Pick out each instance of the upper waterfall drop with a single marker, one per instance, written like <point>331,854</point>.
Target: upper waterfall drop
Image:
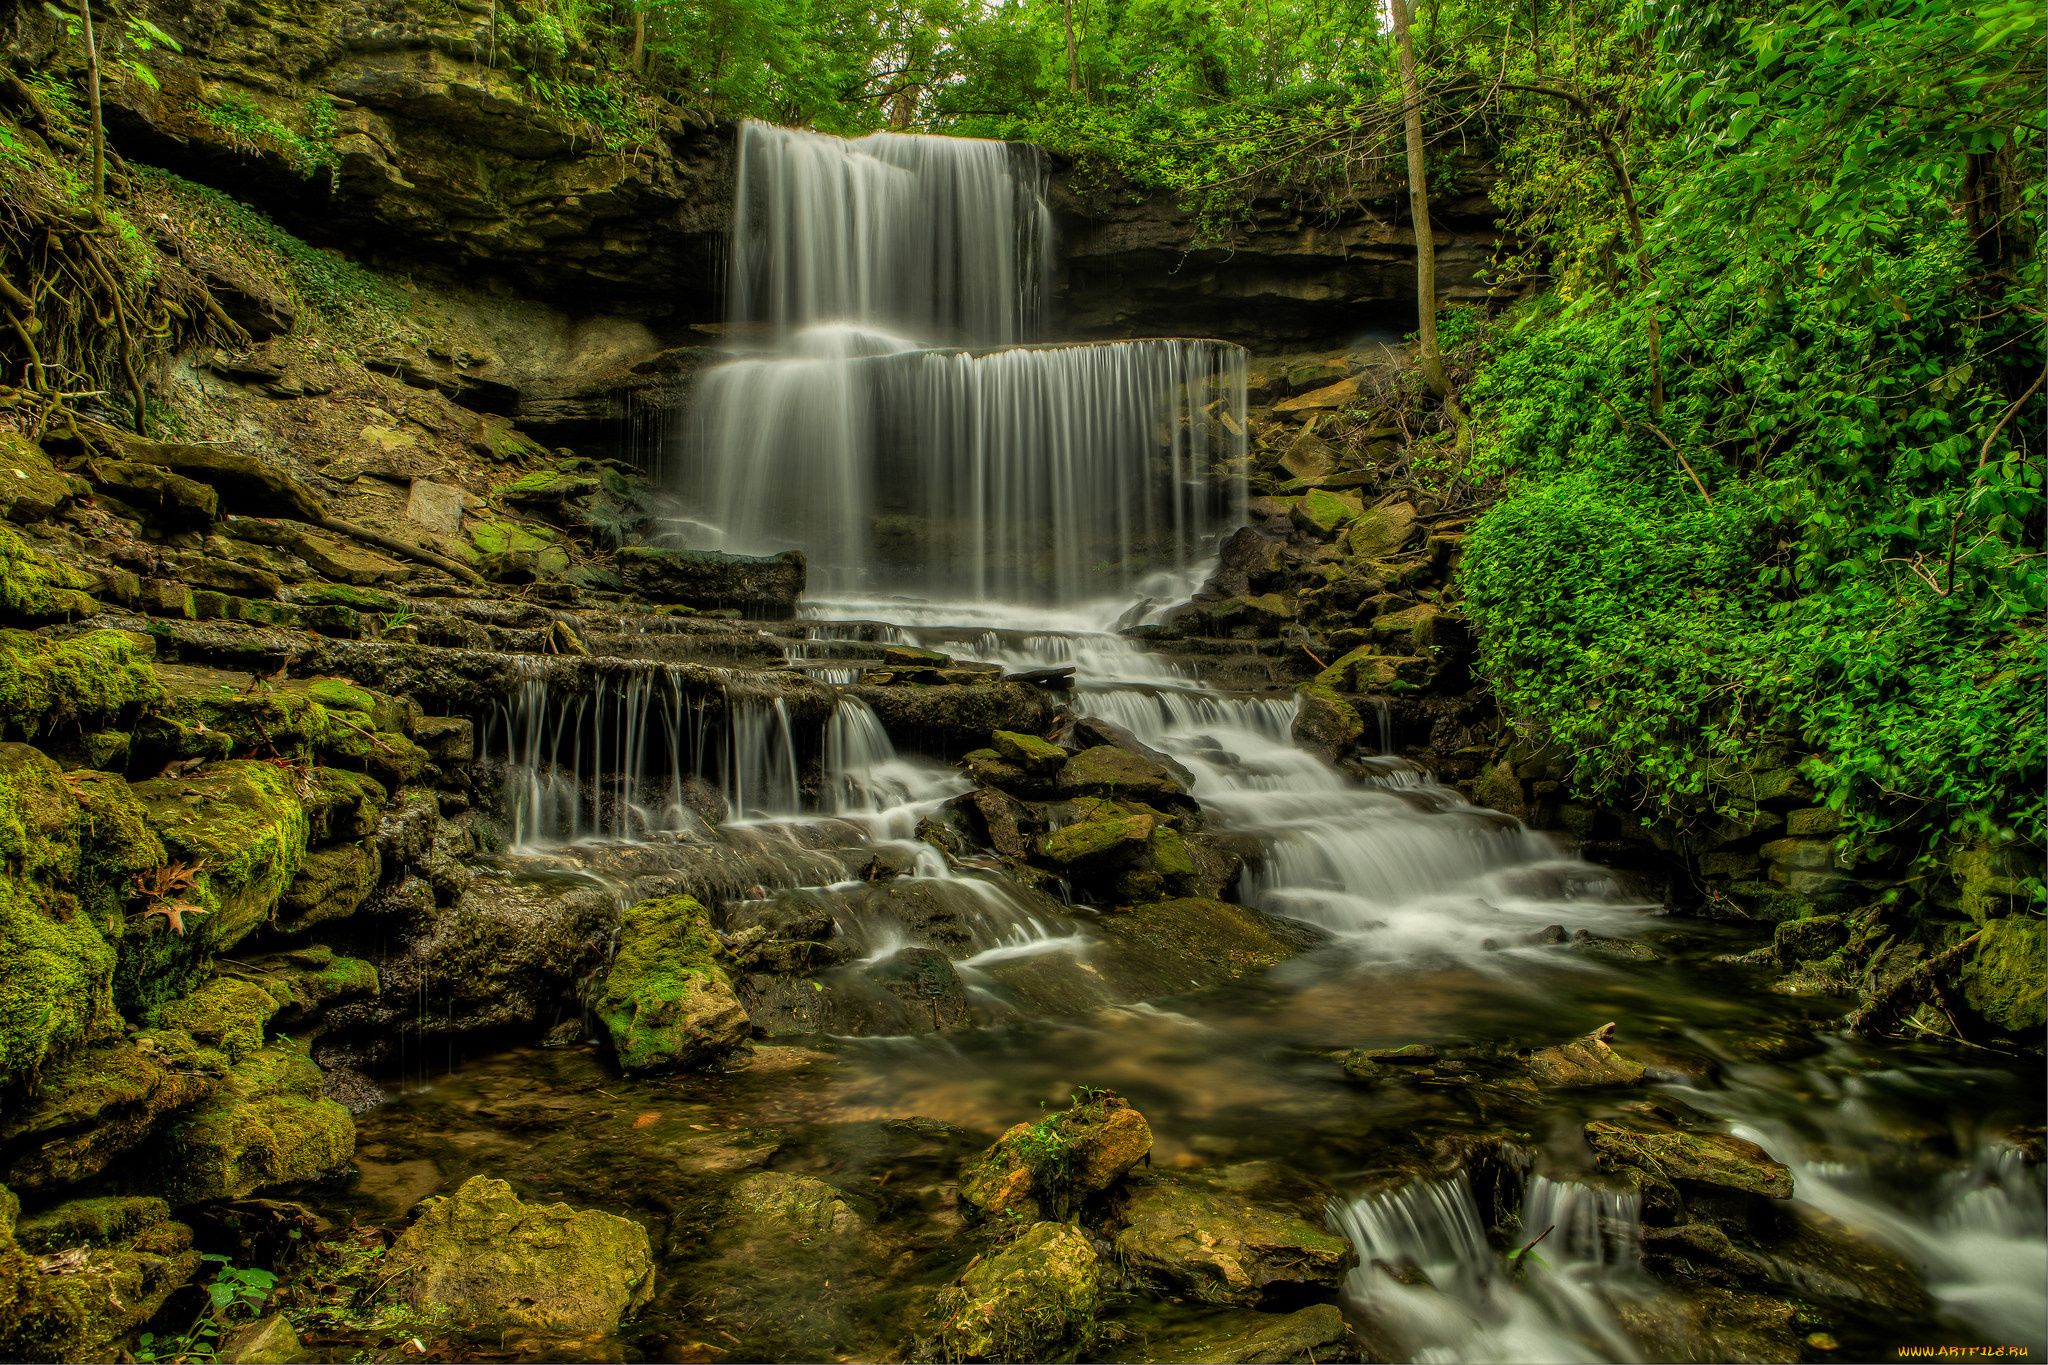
<point>948,237</point>
<point>901,430</point>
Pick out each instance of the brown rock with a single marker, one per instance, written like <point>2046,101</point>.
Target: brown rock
<point>1583,1063</point>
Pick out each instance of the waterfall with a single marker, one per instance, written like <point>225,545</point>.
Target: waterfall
<point>944,235</point>
<point>900,433</point>
<point>617,762</point>
<point>1428,1274</point>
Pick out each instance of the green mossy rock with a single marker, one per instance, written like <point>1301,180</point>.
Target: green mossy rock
<point>102,1103</point>
<point>1325,514</point>
<point>225,1014</point>
<point>1106,770</point>
<point>331,883</point>
<point>1211,942</point>
<point>267,1125</point>
<point>89,681</point>
<point>1382,531</point>
<point>211,714</point>
<point>35,588</point>
<point>1216,1247</point>
<point>86,1314</point>
<point>31,488</point>
<point>56,961</point>
<point>1036,1299</point>
<point>1032,754</point>
<point>243,825</point>
<point>1325,722</point>
<point>1583,1064</point>
<point>493,1263</point>
<point>1102,830</point>
<point>667,1002</point>
<point>343,805</point>
<point>2005,974</point>
<point>90,1222</point>
<point>1048,1168</point>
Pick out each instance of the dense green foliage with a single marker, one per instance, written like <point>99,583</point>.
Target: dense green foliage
<point>1825,532</point>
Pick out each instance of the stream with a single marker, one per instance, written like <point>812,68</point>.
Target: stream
<point>1013,506</point>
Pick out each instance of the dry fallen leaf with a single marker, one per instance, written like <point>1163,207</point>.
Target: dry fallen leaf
<point>645,1119</point>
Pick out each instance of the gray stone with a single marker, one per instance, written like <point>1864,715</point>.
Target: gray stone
<point>436,506</point>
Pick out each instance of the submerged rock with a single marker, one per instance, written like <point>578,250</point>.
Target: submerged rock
<point>493,1262</point>
<point>1217,1247</point>
<point>791,1205</point>
<point>1036,1299</point>
<point>667,1002</point>
<point>1245,1337</point>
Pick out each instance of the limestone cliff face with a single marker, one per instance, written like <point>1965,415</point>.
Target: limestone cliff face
<point>1137,265</point>
<point>400,133</point>
<point>403,134</point>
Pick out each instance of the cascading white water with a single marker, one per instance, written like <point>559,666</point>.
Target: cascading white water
<point>983,468</point>
<point>949,236</point>
<point>612,763</point>
<point>1428,1274</point>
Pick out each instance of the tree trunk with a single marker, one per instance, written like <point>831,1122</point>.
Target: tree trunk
<point>1073,55</point>
<point>1418,207</point>
<point>640,39</point>
<point>99,137</point>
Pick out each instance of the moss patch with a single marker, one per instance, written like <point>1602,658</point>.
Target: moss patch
<point>89,681</point>
<point>35,588</point>
<point>267,1126</point>
<point>56,964</point>
<point>668,1002</point>
<point>243,826</point>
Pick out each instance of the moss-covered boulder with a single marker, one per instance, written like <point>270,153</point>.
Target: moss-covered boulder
<point>110,1288</point>
<point>96,1222</point>
<point>1101,829</point>
<point>241,827</point>
<point>1036,1299</point>
<point>1108,771</point>
<point>1209,942</point>
<point>667,1001</point>
<point>951,718</point>
<point>35,589</point>
<point>84,682</point>
<point>1325,722</point>
<point>1326,514</point>
<point>56,955</point>
<point>1382,531</point>
<point>102,1103</point>
<point>493,1263</point>
<point>267,1125</point>
<point>1029,752</point>
<point>31,488</point>
<point>1049,1168</point>
<point>1215,1246</point>
<point>225,1014</point>
<point>209,714</point>
<point>1583,1063</point>
<point>2005,974</point>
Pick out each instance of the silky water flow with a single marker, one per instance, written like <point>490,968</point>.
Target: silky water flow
<point>890,409</point>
